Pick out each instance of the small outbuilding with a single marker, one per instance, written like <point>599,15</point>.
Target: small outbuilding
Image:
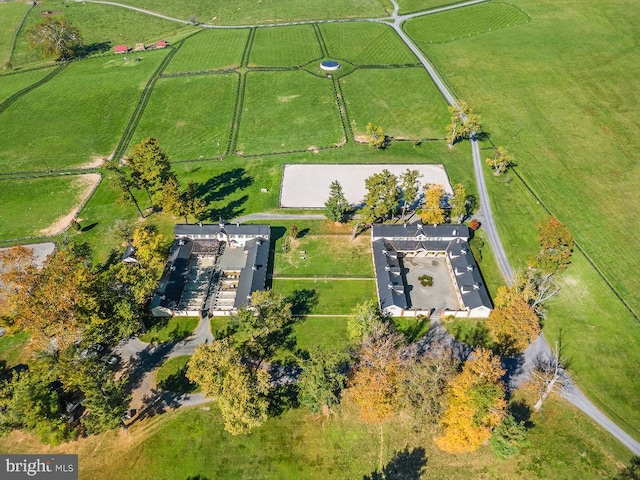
<point>120,49</point>
<point>161,44</point>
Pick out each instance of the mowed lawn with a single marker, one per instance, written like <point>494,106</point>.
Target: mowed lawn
<point>191,116</point>
<point>77,116</point>
<point>334,297</point>
<point>210,50</point>
<point>558,93</point>
<point>409,6</point>
<point>325,255</point>
<point>241,12</point>
<point>284,46</point>
<point>285,111</point>
<point>404,101</point>
<point>465,22</point>
<point>101,26</point>
<point>326,333</point>
<point>366,43</point>
<point>39,201</point>
<point>11,15</point>
<point>14,82</point>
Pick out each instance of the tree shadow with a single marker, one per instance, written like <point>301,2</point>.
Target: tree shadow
<point>230,210</point>
<point>514,368</point>
<point>303,300</point>
<point>302,233</point>
<point>405,465</point>
<point>197,477</point>
<point>88,227</point>
<point>178,382</point>
<point>221,186</point>
<point>521,412</point>
<point>90,49</point>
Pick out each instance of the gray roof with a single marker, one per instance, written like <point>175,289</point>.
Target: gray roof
<point>467,275</point>
<point>175,275</point>
<point>400,231</point>
<point>389,275</point>
<point>254,274</point>
<point>183,230</point>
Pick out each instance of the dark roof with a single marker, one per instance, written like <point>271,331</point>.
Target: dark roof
<point>467,275</point>
<point>183,230</point>
<point>389,275</point>
<point>413,230</point>
<point>175,274</point>
<point>254,274</point>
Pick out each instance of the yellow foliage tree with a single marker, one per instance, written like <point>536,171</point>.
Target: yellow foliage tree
<point>513,326</point>
<point>476,404</point>
<point>432,211</point>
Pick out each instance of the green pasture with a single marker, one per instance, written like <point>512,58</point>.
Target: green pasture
<point>405,102</point>
<point>210,50</point>
<point>334,297</point>
<point>28,206</point>
<point>13,83</point>
<point>169,329</point>
<point>563,444</point>
<point>241,12</point>
<point>11,14</point>
<point>366,43</point>
<point>287,111</point>
<point>77,116</point>
<point>171,376</point>
<point>464,22</point>
<point>293,45</point>
<point>101,27</point>
<point>320,255</point>
<point>191,116</point>
<point>410,6</point>
<point>328,333</point>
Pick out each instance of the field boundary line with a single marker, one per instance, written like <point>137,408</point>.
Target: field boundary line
<point>16,96</point>
<point>14,40</point>
<point>581,250</point>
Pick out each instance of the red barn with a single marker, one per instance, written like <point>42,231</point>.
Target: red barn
<point>120,49</point>
<point>161,44</point>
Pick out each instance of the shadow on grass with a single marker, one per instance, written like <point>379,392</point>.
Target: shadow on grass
<point>89,227</point>
<point>178,382</point>
<point>405,465</point>
<point>303,301</point>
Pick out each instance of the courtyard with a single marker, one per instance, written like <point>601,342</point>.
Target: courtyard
<point>441,294</point>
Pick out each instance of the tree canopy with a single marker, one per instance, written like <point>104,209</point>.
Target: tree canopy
<point>409,188</point>
<point>500,161</point>
<point>513,326</point>
<point>556,246</point>
<point>375,136</point>
<point>336,206</point>
<point>432,211</point>
<point>150,166</point>
<point>463,123</point>
<point>382,197</point>
<point>55,37</point>
<point>321,381</point>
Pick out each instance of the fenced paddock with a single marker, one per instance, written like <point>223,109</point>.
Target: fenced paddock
<point>307,186</point>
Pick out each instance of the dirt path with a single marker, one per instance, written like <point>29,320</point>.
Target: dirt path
<point>89,183</point>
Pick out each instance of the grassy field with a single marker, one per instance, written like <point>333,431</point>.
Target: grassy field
<point>171,375</point>
<point>333,297</point>
<point>403,101</point>
<point>39,202</point>
<point>366,43</point>
<point>210,50</point>
<point>575,143</point>
<point>564,445</point>
<point>11,14</point>
<point>12,351</point>
<point>169,330</point>
<point>328,333</point>
<point>465,22</point>
<point>101,27</point>
<point>325,255</point>
<point>75,117</point>
<point>410,6</point>
<point>287,111</point>
<point>239,12</point>
<point>13,83</point>
<point>284,46</point>
<point>191,116</point>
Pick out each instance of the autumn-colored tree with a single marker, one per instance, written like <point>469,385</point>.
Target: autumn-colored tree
<point>500,161</point>
<point>513,326</point>
<point>459,203</point>
<point>239,391</point>
<point>194,205</point>
<point>149,245</point>
<point>169,197</point>
<point>432,211</point>
<point>556,246</point>
<point>55,37</point>
<point>375,136</point>
<point>18,267</point>
<point>476,404</point>
<point>463,123</point>
<point>374,380</point>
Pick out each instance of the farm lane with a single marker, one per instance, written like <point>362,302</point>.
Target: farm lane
<point>571,392</point>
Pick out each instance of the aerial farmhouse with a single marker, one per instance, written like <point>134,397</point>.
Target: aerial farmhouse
<point>403,255</point>
<point>213,269</point>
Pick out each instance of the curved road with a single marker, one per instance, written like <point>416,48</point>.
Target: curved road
<point>570,391</point>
